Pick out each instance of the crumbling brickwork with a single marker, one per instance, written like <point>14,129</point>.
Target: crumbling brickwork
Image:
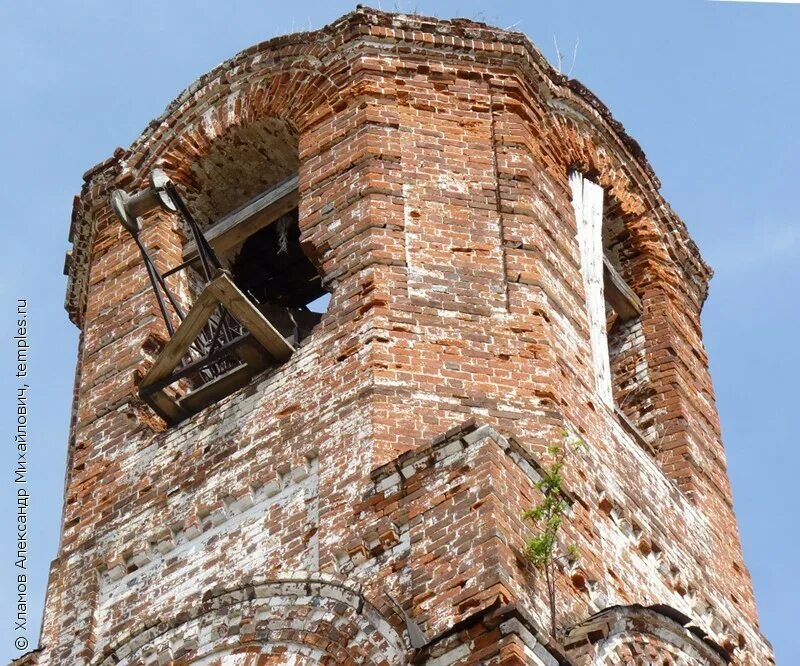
<point>371,487</point>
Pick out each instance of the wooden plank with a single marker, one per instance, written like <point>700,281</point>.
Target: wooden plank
<point>256,214</point>
<point>165,407</point>
<point>186,334</point>
<point>248,315</point>
<point>587,199</point>
<point>216,389</point>
<point>619,295</point>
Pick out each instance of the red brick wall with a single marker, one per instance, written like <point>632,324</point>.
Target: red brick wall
<point>434,199</point>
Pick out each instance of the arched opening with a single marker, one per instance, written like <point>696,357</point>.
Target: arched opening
<point>244,192</point>
<point>253,293</point>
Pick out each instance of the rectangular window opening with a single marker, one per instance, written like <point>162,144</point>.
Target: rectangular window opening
<point>614,309</point>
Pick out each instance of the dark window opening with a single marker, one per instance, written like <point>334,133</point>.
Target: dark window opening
<point>274,272</point>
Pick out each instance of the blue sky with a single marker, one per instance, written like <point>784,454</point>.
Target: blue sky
<point>710,89</point>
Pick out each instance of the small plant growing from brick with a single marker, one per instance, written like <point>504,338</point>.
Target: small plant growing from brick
<point>547,518</point>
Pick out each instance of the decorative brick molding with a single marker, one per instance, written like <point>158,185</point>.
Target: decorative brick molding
<point>458,449</point>
<point>497,635</point>
<point>299,615</point>
<point>230,516</point>
<point>637,635</point>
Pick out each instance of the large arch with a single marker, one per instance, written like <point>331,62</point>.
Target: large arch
<point>282,620</point>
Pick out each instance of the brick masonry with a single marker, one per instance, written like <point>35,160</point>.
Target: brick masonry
<point>379,475</point>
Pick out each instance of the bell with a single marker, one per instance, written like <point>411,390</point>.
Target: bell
<point>130,207</point>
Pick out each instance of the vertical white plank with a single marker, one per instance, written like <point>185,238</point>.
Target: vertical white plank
<point>587,199</point>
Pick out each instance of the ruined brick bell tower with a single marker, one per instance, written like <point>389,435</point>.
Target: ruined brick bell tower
<point>253,482</point>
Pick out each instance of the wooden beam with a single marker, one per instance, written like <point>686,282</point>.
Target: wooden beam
<point>229,295</point>
<point>186,334</point>
<point>618,294</point>
<point>165,407</point>
<point>216,389</point>
<point>236,227</point>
